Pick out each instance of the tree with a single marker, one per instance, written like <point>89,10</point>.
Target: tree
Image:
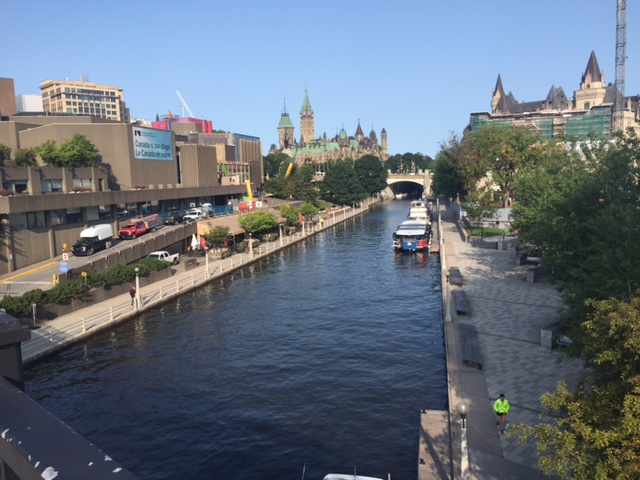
<point>341,184</point>
<point>501,151</point>
<point>447,178</point>
<point>258,222</point>
<point>5,154</point>
<point>25,157</point>
<point>308,210</point>
<point>50,153</point>
<point>297,189</point>
<point>479,205</point>
<point>580,206</point>
<point>595,431</point>
<point>78,151</point>
<point>217,236</point>
<point>305,173</point>
<point>371,173</point>
<point>273,162</point>
<point>289,213</point>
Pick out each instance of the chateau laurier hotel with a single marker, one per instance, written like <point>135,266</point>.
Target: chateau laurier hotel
<point>42,208</point>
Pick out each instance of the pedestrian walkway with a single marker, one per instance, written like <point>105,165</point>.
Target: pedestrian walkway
<point>53,335</point>
<point>508,314</point>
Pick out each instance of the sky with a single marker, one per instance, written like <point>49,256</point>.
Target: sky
<point>416,68</point>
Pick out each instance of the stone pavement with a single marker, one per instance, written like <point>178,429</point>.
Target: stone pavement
<point>508,313</point>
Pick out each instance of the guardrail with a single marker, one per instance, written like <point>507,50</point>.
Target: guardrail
<point>55,334</point>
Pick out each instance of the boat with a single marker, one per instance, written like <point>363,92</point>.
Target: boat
<point>343,476</point>
<point>412,236</point>
<point>419,210</point>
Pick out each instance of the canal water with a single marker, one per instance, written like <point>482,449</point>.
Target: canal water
<point>316,360</point>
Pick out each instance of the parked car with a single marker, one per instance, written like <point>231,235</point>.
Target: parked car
<point>174,218</point>
<point>135,228</point>
<point>165,256</point>
<point>193,215</point>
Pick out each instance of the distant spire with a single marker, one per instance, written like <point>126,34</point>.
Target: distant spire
<point>592,73</point>
<point>498,88</point>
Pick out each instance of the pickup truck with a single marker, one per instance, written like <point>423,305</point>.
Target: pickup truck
<point>135,228</point>
<point>173,259</point>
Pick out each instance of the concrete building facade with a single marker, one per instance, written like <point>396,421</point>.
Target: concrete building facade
<point>84,98</point>
<point>141,170</point>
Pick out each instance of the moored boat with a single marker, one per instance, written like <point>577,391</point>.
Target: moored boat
<point>342,476</point>
<point>412,236</point>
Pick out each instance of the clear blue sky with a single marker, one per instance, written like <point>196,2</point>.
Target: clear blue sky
<point>416,68</point>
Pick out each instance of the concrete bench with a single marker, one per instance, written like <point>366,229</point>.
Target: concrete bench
<point>461,302</point>
<point>534,273</point>
<point>455,277</point>
<point>471,356</point>
<point>554,336</point>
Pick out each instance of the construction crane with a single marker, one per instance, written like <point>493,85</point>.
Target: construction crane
<point>621,57</point>
<point>184,104</point>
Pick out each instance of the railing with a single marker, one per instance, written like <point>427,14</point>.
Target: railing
<point>55,334</point>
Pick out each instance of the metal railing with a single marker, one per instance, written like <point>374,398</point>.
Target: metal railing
<point>55,334</point>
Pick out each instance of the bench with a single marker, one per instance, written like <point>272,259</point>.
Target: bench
<point>554,336</point>
<point>461,302</point>
<point>534,273</point>
<point>470,348</point>
<point>455,277</point>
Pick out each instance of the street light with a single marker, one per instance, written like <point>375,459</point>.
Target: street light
<point>250,246</point>
<point>463,409</point>
<point>138,296</point>
<point>280,229</point>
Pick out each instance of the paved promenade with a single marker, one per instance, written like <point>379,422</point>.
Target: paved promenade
<point>508,313</point>
<point>53,335</point>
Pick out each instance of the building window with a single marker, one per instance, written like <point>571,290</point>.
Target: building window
<point>18,186</point>
<point>35,219</point>
<point>74,215</point>
<point>51,186</point>
<point>82,183</point>
<point>104,211</point>
<point>587,106</point>
<point>58,217</point>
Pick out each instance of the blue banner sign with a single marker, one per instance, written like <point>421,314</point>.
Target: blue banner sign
<point>149,144</point>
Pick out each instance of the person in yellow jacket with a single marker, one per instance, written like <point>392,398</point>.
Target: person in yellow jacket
<point>501,407</point>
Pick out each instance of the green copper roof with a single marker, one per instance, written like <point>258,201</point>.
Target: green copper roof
<point>306,105</point>
<point>285,121</point>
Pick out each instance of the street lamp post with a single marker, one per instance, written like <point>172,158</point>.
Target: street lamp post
<point>280,229</point>
<point>463,409</point>
<point>250,246</point>
<point>447,305</point>
<point>206,261</point>
<point>138,296</point>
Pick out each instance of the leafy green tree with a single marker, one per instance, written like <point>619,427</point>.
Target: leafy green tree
<point>581,208</point>
<point>371,173</point>
<point>272,164</point>
<point>305,173</point>
<point>447,178</point>
<point>479,205</point>
<point>341,184</point>
<point>258,222</point>
<point>50,153</point>
<point>501,151</point>
<point>290,213</point>
<point>25,157</point>
<point>78,151</point>
<point>296,188</point>
<point>217,236</point>
<point>595,431</point>
<point>308,210</point>
<point>5,155</point>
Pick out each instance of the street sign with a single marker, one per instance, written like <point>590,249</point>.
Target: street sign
<point>64,267</point>
<point>65,256</point>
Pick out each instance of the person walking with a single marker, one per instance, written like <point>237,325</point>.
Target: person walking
<point>501,407</point>
<point>132,292</point>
